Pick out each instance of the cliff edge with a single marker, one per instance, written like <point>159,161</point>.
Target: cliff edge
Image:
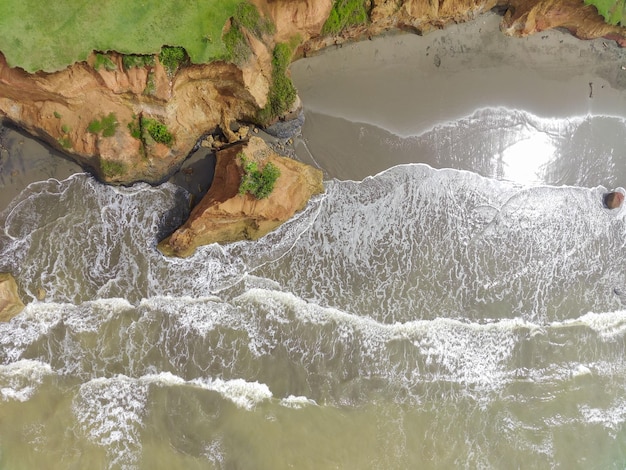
<point>138,122</point>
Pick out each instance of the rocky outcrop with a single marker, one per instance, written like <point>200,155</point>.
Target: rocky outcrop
<point>224,215</point>
<point>59,107</point>
<point>10,303</point>
<point>525,17</point>
<point>613,200</point>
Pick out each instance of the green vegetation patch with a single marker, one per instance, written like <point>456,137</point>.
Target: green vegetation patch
<point>259,183</point>
<point>345,13</point>
<point>157,130</point>
<point>246,16</point>
<point>137,60</point>
<point>111,168</point>
<point>134,127</point>
<point>613,11</point>
<point>107,125</point>
<point>103,60</point>
<point>65,142</point>
<point>40,35</point>
<point>282,93</point>
<point>237,47</point>
<point>150,85</point>
<point>172,57</point>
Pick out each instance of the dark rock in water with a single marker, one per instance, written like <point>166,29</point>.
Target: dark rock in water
<point>288,128</point>
<point>613,200</point>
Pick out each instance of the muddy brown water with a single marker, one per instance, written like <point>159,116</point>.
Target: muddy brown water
<point>452,300</point>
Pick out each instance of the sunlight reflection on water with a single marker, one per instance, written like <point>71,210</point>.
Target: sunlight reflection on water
<point>526,160</point>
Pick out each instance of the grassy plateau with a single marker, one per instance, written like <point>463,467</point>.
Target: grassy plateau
<point>49,36</point>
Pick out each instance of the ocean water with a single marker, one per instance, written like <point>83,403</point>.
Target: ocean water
<point>423,317</point>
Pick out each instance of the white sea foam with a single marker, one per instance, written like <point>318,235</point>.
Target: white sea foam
<point>464,352</point>
<point>34,322</point>
<point>110,413</point>
<point>613,417</point>
<point>244,394</point>
<point>214,452</point>
<point>19,380</point>
<point>609,325</point>
<point>297,402</point>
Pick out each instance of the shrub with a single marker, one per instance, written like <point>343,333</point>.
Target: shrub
<point>259,183</point>
<point>345,13</point>
<point>103,60</point>
<point>134,127</point>
<point>137,60</point>
<point>65,128</point>
<point>57,115</point>
<point>150,85</point>
<point>111,168</point>
<point>282,93</point>
<point>107,125</point>
<point>248,16</point>
<point>65,142</point>
<point>237,47</point>
<point>172,57</point>
<point>158,131</point>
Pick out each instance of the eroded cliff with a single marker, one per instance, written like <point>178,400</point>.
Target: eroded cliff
<point>68,108</point>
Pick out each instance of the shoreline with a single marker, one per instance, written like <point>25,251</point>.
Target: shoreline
<point>25,160</point>
<point>399,84</point>
<point>402,86</point>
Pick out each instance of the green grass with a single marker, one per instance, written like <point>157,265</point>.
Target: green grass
<point>613,11</point>
<point>345,13</point>
<point>259,183</point>
<point>40,35</point>
<point>237,47</point>
<point>248,16</point>
<point>107,125</point>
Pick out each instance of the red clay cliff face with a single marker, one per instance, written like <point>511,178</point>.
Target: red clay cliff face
<point>58,107</point>
<point>525,17</point>
<point>225,216</point>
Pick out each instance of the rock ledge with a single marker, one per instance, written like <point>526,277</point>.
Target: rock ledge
<point>225,216</point>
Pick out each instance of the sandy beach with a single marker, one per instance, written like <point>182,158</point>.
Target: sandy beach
<point>24,160</point>
<point>403,86</point>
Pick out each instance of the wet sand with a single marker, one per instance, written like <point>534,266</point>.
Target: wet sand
<point>24,160</point>
<point>405,85</point>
